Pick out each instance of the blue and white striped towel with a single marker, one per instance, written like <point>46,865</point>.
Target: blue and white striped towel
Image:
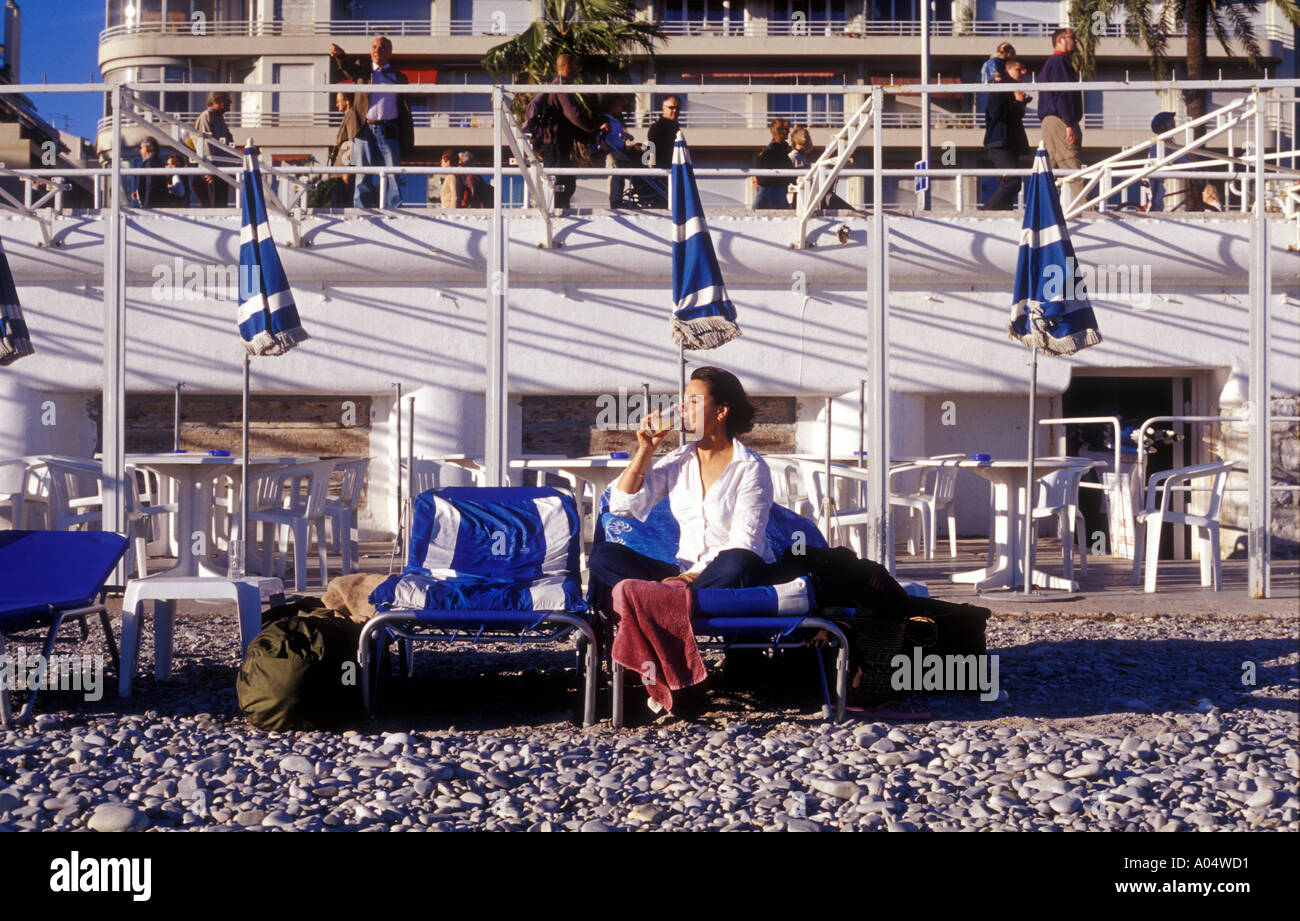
<point>490,549</point>
<point>1049,292</point>
<point>15,341</point>
<point>703,316</point>
<point>268,319</point>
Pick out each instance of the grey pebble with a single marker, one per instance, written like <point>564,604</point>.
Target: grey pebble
<point>114,817</point>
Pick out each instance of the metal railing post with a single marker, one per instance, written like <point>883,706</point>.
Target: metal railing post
<point>1261,295</point>
<point>879,547</point>
<point>496,441</point>
<point>113,414</point>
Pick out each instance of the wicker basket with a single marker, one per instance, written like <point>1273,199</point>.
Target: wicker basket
<point>876,643</point>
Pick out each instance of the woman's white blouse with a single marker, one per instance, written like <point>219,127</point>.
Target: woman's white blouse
<point>732,516</point>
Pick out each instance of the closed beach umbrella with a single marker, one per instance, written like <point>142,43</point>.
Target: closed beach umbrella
<point>268,318</point>
<point>1050,306</point>
<point>703,316</point>
<point>14,339</point>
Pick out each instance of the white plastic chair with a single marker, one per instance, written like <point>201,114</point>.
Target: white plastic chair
<point>790,485</point>
<point>77,498</point>
<point>301,510</point>
<point>24,490</point>
<point>928,501</point>
<point>341,512</point>
<point>1151,520</point>
<point>1058,497</point>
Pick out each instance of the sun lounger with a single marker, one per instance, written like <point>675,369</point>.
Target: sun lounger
<point>486,563</point>
<point>48,576</point>
<point>657,537</point>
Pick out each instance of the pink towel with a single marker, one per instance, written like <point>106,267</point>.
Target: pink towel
<point>655,638</point>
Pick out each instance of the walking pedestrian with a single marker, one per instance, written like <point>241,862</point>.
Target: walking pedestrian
<point>389,129</point>
<point>1005,140</point>
<point>1061,112</point>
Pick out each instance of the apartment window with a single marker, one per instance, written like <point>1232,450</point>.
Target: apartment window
<point>178,15</point>
<point>816,110</point>
<point>703,15</point>
<point>909,11</point>
<point>462,110</point>
<point>812,13</point>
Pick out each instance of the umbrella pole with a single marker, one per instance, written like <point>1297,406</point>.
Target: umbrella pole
<point>681,390</point>
<point>238,564</point>
<point>1028,509</point>
<point>826,489</point>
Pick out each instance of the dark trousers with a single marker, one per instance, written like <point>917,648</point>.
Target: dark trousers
<point>1004,199</point>
<point>611,563</point>
<point>559,155</point>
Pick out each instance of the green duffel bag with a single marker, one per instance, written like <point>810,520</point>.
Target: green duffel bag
<point>301,672</point>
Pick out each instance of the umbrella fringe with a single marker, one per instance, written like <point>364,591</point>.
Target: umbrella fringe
<point>704,332</point>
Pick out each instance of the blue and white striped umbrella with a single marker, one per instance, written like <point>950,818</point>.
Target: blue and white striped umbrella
<point>15,342</point>
<point>703,316</point>
<point>1049,291</point>
<point>268,319</point>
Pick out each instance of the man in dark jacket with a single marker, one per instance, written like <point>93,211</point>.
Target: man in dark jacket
<point>388,128</point>
<point>1062,112</point>
<point>150,191</point>
<point>1005,141</point>
<point>572,125</point>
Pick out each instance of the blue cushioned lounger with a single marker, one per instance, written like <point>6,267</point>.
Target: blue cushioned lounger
<point>46,576</point>
<point>657,537</point>
<point>486,563</point>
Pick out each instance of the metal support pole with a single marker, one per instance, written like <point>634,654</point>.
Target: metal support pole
<point>238,563</point>
<point>410,456</point>
<point>1261,295</point>
<point>923,198</point>
<point>176,418</point>
<point>1027,509</point>
<point>497,386</point>
<point>878,547</point>
<point>828,503</point>
<point>400,540</point>
<point>681,389</point>
<point>113,419</point>
<point>862,422</point>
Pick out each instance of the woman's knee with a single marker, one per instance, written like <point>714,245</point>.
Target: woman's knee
<point>734,568</point>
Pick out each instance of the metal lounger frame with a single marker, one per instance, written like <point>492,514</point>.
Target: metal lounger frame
<point>389,625</point>
<point>778,642</point>
<point>57,616</point>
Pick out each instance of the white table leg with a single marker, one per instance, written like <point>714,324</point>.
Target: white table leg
<point>1001,572</point>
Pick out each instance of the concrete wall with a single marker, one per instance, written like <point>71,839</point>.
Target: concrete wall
<point>390,299</point>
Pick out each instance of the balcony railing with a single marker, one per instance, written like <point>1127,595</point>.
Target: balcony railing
<point>502,28</point>
<point>712,28</point>
<point>939,119</point>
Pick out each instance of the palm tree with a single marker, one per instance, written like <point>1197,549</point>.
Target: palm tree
<point>602,33</point>
<point>1150,23</point>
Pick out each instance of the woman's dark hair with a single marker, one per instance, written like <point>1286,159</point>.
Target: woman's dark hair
<point>726,390</point>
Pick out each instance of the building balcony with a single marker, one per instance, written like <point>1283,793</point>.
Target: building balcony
<point>728,39</point>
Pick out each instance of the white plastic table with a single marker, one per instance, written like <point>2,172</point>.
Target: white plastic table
<point>193,475</point>
<point>598,470</point>
<point>1008,479</point>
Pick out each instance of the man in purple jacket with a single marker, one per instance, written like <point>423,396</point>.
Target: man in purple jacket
<point>571,124</point>
<point>1062,112</point>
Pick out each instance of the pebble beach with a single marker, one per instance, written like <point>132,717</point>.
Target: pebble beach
<point>1112,721</point>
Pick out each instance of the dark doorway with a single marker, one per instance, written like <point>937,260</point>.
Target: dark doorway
<point>1134,400</point>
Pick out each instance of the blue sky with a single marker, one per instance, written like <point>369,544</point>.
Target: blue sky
<point>60,44</point>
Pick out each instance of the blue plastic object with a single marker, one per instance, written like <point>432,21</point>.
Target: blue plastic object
<point>619,455</point>
<point>982,457</point>
<point>180,451</point>
<point>40,570</point>
<point>219,452</point>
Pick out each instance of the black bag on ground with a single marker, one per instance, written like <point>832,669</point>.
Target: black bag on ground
<point>959,629</point>
<point>301,672</point>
